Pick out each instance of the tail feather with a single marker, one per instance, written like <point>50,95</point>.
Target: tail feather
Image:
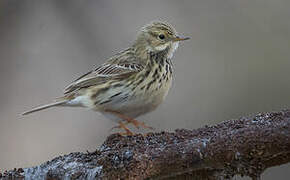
<point>59,103</point>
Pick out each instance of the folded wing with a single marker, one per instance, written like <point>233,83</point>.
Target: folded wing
<point>120,66</point>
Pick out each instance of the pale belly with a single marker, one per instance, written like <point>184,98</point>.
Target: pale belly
<point>124,100</point>
<point>136,104</point>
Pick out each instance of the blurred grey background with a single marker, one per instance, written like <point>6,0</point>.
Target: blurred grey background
<point>237,63</point>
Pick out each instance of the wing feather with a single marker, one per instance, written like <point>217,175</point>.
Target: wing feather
<point>120,66</point>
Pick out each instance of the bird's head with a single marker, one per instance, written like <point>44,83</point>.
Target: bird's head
<point>158,36</point>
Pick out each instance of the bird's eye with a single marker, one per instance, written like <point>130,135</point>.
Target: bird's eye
<point>161,36</point>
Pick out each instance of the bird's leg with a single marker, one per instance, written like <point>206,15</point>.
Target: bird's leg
<point>127,130</point>
<point>128,120</point>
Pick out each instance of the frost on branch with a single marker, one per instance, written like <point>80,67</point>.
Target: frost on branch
<point>246,146</point>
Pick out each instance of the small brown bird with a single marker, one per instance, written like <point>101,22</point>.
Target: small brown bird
<point>131,83</point>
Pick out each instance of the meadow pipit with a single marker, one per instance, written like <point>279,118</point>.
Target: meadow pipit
<point>131,83</point>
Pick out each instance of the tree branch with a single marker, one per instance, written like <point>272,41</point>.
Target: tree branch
<point>246,146</point>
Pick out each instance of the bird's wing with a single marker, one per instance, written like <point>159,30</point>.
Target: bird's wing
<point>120,66</point>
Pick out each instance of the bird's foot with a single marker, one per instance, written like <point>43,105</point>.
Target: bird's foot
<point>139,124</point>
<point>127,132</point>
<point>129,120</point>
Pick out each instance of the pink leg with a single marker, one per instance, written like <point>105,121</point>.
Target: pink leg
<point>136,123</point>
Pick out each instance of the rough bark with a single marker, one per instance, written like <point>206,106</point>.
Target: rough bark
<point>245,146</point>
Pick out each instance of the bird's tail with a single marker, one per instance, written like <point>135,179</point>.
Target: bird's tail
<point>39,108</point>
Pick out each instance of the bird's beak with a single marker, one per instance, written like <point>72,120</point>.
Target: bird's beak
<point>177,38</point>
